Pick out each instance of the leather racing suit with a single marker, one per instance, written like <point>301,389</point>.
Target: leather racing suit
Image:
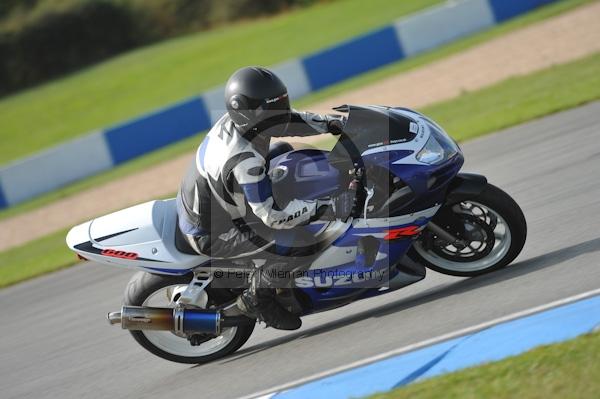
<point>227,188</point>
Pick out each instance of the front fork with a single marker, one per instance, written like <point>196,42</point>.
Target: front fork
<point>445,224</point>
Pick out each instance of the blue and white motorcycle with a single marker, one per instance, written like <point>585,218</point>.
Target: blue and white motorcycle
<point>414,210</point>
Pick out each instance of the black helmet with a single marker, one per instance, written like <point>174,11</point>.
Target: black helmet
<point>256,98</point>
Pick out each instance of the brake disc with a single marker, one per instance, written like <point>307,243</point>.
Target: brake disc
<point>477,243</point>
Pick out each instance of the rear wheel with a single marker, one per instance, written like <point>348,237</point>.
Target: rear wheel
<point>145,289</point>
<point>489,232</point>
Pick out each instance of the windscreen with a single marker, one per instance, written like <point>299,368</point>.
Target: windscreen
<point>371,127</point>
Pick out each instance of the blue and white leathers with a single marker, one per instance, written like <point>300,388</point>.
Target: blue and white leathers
<point>227,188</point>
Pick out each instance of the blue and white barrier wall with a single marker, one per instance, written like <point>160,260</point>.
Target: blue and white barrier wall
<point>102,150</point>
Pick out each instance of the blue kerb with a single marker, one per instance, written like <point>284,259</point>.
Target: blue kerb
<point>494,343</point>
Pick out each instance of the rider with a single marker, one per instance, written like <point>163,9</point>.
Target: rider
<point>227,185</point>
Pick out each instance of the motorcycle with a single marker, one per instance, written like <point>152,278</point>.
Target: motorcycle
<point>413,210</point>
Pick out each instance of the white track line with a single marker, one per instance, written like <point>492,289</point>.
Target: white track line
<point>268,393</point>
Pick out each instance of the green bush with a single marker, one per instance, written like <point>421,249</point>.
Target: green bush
<point>60,42</point>
<point>42,39</point>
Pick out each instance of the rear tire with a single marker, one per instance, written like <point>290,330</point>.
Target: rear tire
<point>507,211</point>
<point>142,286</point>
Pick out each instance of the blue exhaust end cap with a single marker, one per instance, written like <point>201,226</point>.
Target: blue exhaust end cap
<point>201,321</point>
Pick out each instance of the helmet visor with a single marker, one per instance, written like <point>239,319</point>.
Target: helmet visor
<point>274,113</point>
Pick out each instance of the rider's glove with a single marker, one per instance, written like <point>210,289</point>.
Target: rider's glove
<point>338,207</point>
<point>334,125</point>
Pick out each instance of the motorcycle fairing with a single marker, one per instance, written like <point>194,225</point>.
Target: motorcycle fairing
<point>303,174</point>
<point>146,232</point>
<point>322,288</point>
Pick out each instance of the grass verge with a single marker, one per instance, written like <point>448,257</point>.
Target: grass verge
<point>42,256</point>
<point>513,101</point>
<point>161,74</point>
<point>190,144</point>
<point>565,370</point>
<point>520,99</point>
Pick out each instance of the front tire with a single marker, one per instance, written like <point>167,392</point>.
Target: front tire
<point>498,231</point>
<point>144,289</point>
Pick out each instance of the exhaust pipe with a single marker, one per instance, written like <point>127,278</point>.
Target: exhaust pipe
<point>178,320</point>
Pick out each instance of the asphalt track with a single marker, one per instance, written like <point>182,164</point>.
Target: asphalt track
<point>55,342</point>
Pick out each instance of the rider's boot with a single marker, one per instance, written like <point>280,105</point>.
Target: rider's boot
<point>259,303</point>
<point>265,308</point>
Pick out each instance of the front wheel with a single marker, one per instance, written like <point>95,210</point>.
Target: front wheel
<point>488,230</point>
<point>145,289</point>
